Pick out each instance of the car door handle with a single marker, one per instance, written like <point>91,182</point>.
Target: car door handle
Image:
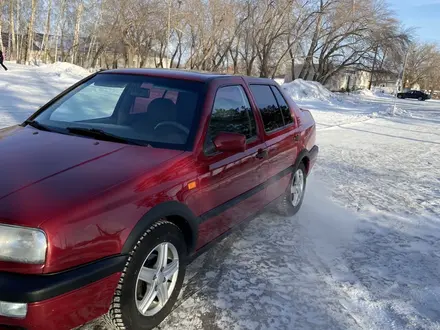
<point>262,154</point>
<point>296,137</point>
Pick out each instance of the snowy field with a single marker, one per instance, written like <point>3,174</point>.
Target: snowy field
<point>363,252</point>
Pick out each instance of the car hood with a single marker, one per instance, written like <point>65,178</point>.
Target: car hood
<point>38,167</point>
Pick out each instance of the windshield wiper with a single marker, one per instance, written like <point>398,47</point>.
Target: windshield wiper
<point>102,135</point>
<point>37,125</point>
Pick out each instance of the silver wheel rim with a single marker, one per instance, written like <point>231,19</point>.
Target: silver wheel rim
<point>157,279</point>
<point>297,188</point>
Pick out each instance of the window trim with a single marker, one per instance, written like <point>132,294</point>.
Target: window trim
<point>259,111</point>
<point>248,140</point>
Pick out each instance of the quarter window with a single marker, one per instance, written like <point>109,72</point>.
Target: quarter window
<point>231,113</point>
<point>285,110</point>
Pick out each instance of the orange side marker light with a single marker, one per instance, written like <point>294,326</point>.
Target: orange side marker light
<point>192,185</point>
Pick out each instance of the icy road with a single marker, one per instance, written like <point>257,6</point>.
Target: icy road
<point>364,251</point>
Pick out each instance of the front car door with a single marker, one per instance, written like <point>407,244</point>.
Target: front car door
<point>230,187</point>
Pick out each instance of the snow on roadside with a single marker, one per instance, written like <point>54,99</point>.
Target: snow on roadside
<point>300,89</point>
<point>25,88</point>
<point>63,70</point>
<point>338,109</point>
<point>392,111</point>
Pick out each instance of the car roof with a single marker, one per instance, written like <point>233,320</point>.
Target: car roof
<point>186,75</point>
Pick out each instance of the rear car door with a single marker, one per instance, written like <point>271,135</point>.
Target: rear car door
<point>282,136</point>
<point>230,188</point>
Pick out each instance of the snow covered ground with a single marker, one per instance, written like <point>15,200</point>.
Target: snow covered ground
<point>363,252</point>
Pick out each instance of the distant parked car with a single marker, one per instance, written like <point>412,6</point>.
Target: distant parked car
<point>419,95</point>
<point>109,189</point>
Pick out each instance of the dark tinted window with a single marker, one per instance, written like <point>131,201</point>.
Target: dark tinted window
<point>285,110</point>
<point>231,113</point>
<point>271,114</point>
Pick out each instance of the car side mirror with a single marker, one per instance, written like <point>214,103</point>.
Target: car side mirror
<point>230,142</point>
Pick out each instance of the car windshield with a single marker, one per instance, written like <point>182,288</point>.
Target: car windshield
<point>144,110</point>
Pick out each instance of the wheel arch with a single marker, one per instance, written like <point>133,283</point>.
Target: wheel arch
<point>303,157</point>
<point>173,211</point>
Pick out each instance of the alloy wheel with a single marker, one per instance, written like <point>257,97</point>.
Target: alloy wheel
<point>297,187</point>
<point>157,279</point>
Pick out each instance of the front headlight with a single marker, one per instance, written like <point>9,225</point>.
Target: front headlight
<point>21,244</point>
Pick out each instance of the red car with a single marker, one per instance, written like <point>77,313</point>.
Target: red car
<point>109,189</point>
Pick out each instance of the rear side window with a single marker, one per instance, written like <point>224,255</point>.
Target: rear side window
<point>231,113</point>
<point>268,106</point>
<point>284,107</point>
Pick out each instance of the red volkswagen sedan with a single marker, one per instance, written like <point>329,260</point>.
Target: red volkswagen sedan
<point>109,189</point>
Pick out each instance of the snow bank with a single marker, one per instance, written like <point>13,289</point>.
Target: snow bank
<point>63,69</point>
<point>365,92</point>
<point>391,111</point>
<point>376,92</point>
<point>394,111</point>
<point>308,90</point>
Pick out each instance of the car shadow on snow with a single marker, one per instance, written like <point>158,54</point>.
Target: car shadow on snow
<point>325,268</point>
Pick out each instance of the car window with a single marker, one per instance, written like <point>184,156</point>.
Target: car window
<point>268,106</point>
<point>231,113</point>
<point>157,111</point>
<point>92,102</point>
<point>284,107</point>
<point>141,103</point>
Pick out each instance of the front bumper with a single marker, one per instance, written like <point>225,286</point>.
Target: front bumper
<point>64,300</point>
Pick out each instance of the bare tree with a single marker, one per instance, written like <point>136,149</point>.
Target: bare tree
<point>11,37</point>
<point>76,36</point>
<point>2,5</point>
<point>422,61</point>
<point>58,29</point>
<point>45,44</point>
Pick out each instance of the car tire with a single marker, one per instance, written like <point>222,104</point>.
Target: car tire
<point>159,249</point>
<point>421,99</point>
<point>287,204</point>
<point>399,96</point>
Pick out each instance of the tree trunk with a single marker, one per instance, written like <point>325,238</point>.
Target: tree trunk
<point>59,27</point>
<point>19,40</point>
<point>11,41</point>
<point>98,53</point>
<point>75,47</point>
<point>305,71</point>
<point>249,67</point>
<point>45,45</point>
<point>62,44</point>
<point>179,59</point>
<point>30,34</point>
<point>373,67</point>
<point>292,65</point>
<point>1,20</point>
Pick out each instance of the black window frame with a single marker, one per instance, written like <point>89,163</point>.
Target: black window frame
<point>252,139</point>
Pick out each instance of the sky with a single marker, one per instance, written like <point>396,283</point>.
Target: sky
<point>423,14</point>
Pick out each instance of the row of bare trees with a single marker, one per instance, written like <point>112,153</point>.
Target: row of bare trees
<point>423,66</point>
<point>313,39</point>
